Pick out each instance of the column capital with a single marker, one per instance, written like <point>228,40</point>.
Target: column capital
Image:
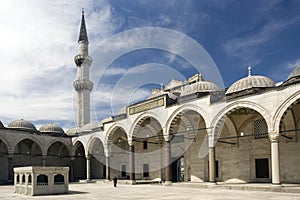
<point>130,142</point>
<point>274,136</point>
<point>88,156</point>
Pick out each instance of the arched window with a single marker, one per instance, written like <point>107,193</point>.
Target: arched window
<point>29,179</point>
<point>59,179</point>
<point>42,179</point>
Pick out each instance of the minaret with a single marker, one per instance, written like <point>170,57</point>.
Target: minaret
<point>83,85</point>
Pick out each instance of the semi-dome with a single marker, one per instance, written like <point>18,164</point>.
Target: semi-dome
<point>295,72</point>
<point>21,124</point>
<point>52,129</point>
<point>250,82</point>
<point>200,86</point>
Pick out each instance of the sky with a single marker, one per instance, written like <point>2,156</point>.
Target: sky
<point>135,46</point>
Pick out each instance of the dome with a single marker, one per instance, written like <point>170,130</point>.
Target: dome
<point>173,83</point>
<point>250,82</point>
<point>21,124</point>
<point>295,72</point>
<point>72,132</point>
<point>200,86</point>
<point>52,128</point>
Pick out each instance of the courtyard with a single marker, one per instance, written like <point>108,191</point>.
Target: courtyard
<point>123,191</point>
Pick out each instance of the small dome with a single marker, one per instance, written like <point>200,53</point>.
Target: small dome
<point>52,129</point>
<point>72,132</point>
<point>250,82</point>
<point>173,83</point>
<point>295,72</point>
<point>21,124</point>
<point>200,86</point>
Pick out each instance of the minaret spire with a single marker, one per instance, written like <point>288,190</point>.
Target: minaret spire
<point>83,33</point>
<point>83,85</point>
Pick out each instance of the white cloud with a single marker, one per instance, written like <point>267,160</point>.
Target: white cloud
<point>247,47</point>
<point>38,44</point>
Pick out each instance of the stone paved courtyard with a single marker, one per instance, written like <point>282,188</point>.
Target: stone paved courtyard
<point>107,191</point>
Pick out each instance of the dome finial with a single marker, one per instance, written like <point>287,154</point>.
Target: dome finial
<point>249,71</point>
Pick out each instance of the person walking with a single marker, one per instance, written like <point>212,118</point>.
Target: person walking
<point>115,180</point>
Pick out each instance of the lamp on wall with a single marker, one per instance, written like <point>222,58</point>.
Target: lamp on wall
<point>242,133</point>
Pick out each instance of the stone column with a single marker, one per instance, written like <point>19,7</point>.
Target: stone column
<point>72,168</point>
<point>274,137</point>
<point>107,167</point>
<point>44,160</point>
<point>212,165</point>
<point>88,167</point>
<point>168,158</point>
<point>131,163</point>
<point>10,168</point>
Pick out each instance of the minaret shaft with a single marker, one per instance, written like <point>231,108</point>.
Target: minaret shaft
<point>83,85</point>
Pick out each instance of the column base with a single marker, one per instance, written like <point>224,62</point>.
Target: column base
<point>167,183</point>
<point>212,182</point>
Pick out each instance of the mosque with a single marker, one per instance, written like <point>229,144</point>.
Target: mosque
<point>189,131</point>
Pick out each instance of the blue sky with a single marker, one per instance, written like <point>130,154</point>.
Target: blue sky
<point>39,42</point>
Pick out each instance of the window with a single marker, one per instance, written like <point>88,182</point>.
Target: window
<point>262,168</point>
<point>42,179</point>
<point>260,129</point>
<point>145,144</point>
<point>146,170</point>
<point>123,171</point>
<point>59,179</point>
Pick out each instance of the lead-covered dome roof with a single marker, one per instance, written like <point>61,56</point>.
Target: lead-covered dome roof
<point>21,124</point>
<point>52,129</point>
<point>200,85</point>
<point>295,72</point>
<point>250,82</point>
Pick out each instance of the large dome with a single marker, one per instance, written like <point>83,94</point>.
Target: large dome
<point>52,129</point>
<point>200,86</point>
<point>21,124</point>
<point>250,82</point>
<point>295,72</point>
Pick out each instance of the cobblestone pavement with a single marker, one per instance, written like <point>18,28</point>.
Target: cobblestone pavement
<point>107,191</point>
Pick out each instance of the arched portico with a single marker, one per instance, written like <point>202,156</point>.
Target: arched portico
<point>242,145</point>
<point>146,149</point>
<point>97,158</point>
<point>187,131</point>
<point>116,143</point>
<point>287,125</point>
<point>4,158</point>
<point>58,154</point>
<point>79,161</point>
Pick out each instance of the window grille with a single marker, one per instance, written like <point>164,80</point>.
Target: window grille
<point>260,129</point>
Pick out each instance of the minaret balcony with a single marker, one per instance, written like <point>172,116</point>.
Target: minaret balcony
<point>80,85</point>
<point>81,59</point>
